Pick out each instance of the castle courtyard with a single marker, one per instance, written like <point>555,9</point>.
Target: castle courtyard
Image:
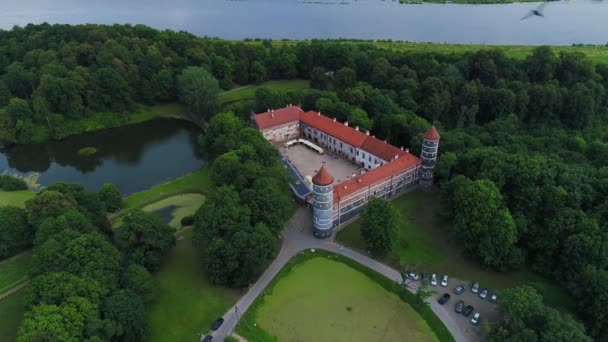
<point>308,162</point>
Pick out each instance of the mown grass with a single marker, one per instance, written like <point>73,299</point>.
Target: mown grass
<point>187,302</point>
<point>14,271</point>
<point>427,244</point>
<point>180,206</point>
<point>15,198</point>
<point>354,307</point>
<point>196,182</point>
<point>247,93</point>
<point>12,310</point>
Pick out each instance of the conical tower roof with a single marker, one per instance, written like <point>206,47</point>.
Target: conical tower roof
<point>323,178</point>
<point>432,134</point>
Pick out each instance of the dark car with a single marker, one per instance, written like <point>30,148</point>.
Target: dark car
<point>444,299</point>
<point>423,278</point>
<point>468,310</point>
<point>459,289</point>
<point>459,306</point>
<point>208,338</point>
<point>217,324</point>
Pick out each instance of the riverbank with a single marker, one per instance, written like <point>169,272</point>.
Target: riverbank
<point>463,2</point>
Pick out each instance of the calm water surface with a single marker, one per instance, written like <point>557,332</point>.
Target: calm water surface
<point>134,157</point>
<point>565,23</point>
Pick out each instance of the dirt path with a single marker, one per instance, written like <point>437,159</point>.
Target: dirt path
<point>14,289</point>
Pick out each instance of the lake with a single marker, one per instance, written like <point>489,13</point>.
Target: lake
<point>565,22</point>
<point>134,157</point>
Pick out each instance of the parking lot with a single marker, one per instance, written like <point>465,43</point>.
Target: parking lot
<point>486,309</point>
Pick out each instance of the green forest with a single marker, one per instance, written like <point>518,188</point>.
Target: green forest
<point>522,159</point>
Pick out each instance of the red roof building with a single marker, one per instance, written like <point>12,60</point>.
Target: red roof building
<point>432,134</point>
<point>323,177</point>
<point>336,129</point>
<point>274,118</point>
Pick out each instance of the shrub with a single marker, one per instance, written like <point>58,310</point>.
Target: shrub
<point>187,220</point>
<point>87,151</point>
<point>11,183</point>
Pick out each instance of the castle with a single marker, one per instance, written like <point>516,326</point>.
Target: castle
<point>385,170</point>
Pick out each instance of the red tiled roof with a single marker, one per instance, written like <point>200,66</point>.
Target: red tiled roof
<point>334,128</point>
<point>432,134</point>
<point>355,184</point>
<point>323,177</point>
<point>278,117</point>
<point>381,149</point>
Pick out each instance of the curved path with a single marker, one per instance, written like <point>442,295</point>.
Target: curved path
<point>297,237</point>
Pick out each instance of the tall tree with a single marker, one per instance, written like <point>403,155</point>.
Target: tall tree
<point>199,90</point>
<point>380,226</point>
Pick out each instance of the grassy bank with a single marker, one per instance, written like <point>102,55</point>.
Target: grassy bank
<point>15,198</point>
<point>471,2</point>
<point>187,303</point>
<point>358,304</point>
<point>247,93</point>
<point>14,271</point>
<point>196,182</point>
<point>428,244</point>
<point>11,314</point>
<point>598,54</point>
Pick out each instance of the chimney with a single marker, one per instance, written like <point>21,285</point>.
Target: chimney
<point>346,123</point>
<point>407,150</point>
<point>318,113</point>
<point>401,148</point>
<point>359,180</point>
<point>396,156</point>
<point>385,141</point>
<point>366,132</point>
<point>334,119</point>
<point>272,114</point>
<point>356,128</point>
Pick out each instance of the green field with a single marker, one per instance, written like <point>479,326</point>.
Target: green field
<point>187,303</point>
<point>14,271</point>
<point>247,93</point>
<point>427,244</point>
<point>598,53</point>
<point>161,110</point>
<point>196,182</point>
<point>179,206</point>
<point>11,314</point>
<point>325,300</point>
<point>15,198</point>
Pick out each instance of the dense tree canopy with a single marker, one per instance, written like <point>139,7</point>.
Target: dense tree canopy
<point>199,91</point>
<point>380,226</point>
<point>15,232</point>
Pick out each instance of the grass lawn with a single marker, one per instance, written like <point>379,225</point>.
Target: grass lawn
<point>187,303</point>
<point>247,93</point>
<point>11,314</point>
<point>321,299</point>
<point>173,209</point>
<point>14,271</point>
<point>162,110</point>
<point>426,243</point>
<point>15,198</point>
<point>196,182</point>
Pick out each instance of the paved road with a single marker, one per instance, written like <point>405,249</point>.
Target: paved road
<point>297,237</point>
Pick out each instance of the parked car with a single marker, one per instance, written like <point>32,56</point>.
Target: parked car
<point>475,319</point>
<point>411,275</point>
<point>493,298</point>
<point>475,287</point>
<point>459,306</point>
<point>434,279</point>
<point>444,299</point>
<point>483,294</point>
<point>468,310</point>
<point>208,338</point>
<point>217,324</point>
<point>459,289</point>
<point>444,281</point>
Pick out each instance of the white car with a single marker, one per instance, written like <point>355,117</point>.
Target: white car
<point>475,319</point>
<point>444,281</point>
<point>412,275</point>
<point>434,279</point>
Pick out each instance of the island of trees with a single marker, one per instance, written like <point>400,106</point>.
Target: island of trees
<point>522,166</point>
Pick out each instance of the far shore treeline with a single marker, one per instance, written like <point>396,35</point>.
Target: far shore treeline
<point>522,167</point>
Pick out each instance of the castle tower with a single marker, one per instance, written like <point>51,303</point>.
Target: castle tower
<point>430,146</point>
<point>323,203</point>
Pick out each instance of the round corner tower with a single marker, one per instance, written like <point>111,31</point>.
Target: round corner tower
<point>323,203</point>
<point>430,146</point>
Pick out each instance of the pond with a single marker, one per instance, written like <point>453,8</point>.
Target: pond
<point>565,22</point>
<point>134,157</point>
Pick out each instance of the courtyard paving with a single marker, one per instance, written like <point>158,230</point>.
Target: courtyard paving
<point>308,162</point>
